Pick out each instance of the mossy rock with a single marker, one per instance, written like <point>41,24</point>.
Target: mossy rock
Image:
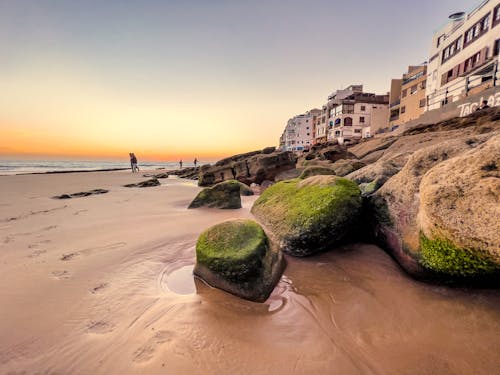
<point>244,189</point>
<point>236,256</point>
<point>444,257</point>
<point>222,195</point>
<point>316,171</point>
<point>311,215</point>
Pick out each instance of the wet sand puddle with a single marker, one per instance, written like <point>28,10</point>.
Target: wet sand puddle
<point>350,311</point>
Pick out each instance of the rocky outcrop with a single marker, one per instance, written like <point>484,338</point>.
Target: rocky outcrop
<point>343,167</point>
<point>316,171</point>
<point>222,195</point>
<point>236,256</point>
<point>434,215</point>
<point>253,167</point>
<point>148,183</point>
<point>311,215</point>
<point>327,152</point>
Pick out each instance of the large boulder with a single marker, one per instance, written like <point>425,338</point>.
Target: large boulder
<point>434,216</point>
<point>343,167</point>
<point>311,215</point>
<point>316,171</point>
<point>236,256</point>
<point>222,195</point>
<point>253,167</point>
<point>459,213</point>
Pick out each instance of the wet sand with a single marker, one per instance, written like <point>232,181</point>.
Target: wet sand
<point>103,285</point>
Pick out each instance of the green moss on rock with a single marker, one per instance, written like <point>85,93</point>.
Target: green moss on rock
<point>237,257</point>
<point>442,256</point>
<point>310,215</point>
<point>234,250</point>
<point>222,195</point>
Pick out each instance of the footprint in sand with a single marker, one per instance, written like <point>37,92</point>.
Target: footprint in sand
<point>99,327</point>
<point>148,350</point>
<point>36,253</point>
<point>98,288</point>
<point>61,275</point>
<point>66,257</point>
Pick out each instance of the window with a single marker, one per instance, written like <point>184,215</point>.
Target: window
<point>308,134</point>
<point>403,109</point>
<point>477,30</point>
<point>496,15</point>
<point>361,120</point>
<point>413,89</point>
<point>496,49</point>
<point>452,49</point>
<point>307,128</point>
<point>363,108</point>
<point>337,133</point>
<point>422,103</point>
<point>423,85</point>
<point>404,92</point>
<point>348,121</point>
<point>357,130</point>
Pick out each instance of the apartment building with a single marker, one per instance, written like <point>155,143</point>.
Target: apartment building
<point>359,115</point>
<point>325,121</point>
<point>298,134</point>
<point>464,55</point>
<point>408,96</point>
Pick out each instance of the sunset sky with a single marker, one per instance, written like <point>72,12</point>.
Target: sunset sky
<point>207,78</point>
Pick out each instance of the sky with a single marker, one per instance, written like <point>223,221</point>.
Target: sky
<point>172,79</point>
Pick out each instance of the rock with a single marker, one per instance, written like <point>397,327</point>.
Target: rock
<point>222,195</point>
<point>343,167</point>
<point>402,206</point>
<point>253,167</point>
<point>81,194</point>
<point>459,213</point>
<point>287,175</point>
<point>244,189</point>
<point>236,256</point>
<point>311,215</point>
<point>269,150</point>
<point>147,183</point>
<point>316,171</point>
<point>157,175</point>
<point>363,149</point>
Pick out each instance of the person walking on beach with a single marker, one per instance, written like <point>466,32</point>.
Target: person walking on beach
<point>133,162</point>
<point>195,162</point>
<point>180,164</point>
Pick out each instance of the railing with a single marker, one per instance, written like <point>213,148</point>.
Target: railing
<point>416,76</point>
<point>464,86</point>
<point>397,102</point>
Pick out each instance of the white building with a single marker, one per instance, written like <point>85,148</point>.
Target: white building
<point>299,132</point>
<point>464,55</point>
<point>325,122</point>
<point>358,116</point>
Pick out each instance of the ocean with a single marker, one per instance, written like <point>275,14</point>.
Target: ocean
<point>9,167</point>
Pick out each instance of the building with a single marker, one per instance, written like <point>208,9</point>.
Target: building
<point>299,132</point>
<point>464,55</point>
<point>394,103</point>
<point>407,98</point>
<point>357,115</point>
<point>325,122</point>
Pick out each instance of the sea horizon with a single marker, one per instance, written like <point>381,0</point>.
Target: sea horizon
<point>20,166</point>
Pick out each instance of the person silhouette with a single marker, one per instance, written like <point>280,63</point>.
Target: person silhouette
<point>180,164</point>
<point>133,162</point>
<point>195,162</point>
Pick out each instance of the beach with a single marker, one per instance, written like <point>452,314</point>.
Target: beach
<point>103,285</point>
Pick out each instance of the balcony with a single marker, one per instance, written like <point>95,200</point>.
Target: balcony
<point>394,104</point>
